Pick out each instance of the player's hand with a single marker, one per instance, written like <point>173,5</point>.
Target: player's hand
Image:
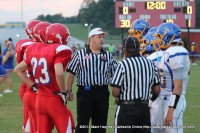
<point>169,117</point>
<point>64,97</point>
<point>70,96</point>
<point>34,88</point>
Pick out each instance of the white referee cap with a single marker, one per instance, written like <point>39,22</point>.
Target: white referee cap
<point>97,31</point>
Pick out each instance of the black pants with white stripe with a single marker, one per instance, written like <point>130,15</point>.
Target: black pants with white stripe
<point>92,104</point>
<point>132,118</point>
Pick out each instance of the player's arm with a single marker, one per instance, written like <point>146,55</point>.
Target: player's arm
<point>63,57</point>
<point>70,80</point>
<point>19,71</point>
<point>177,74</point>
<point>60,77</point>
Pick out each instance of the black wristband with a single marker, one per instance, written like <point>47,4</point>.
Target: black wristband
<point>34,87</point>
<point>173,101</point>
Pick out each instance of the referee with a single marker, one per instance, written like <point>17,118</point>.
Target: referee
<point>135,77</point>
<point>93,67</point>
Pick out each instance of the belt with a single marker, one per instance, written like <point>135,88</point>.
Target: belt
<point>93,87</point>
<point>133,102</point>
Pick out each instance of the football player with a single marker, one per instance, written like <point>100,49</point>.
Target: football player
<point>48,63</point>
<point>20,49</point>
<point>158,51</point>
<point>167,110</point>
<point>139,29</point>
<point>149,43</point>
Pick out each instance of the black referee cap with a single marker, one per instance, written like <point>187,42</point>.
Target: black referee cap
<point>131,44</point>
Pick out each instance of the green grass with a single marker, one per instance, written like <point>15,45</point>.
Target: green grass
<point>192,113</point>
<point>11,107</point>
<point>81,32</point>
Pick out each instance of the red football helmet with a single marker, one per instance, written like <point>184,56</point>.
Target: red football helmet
<point>57,33</point>
<point>30,26</point>
<point>39,31</point>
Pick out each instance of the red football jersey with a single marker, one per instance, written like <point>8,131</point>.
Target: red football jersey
<point>21,47</point>
<point>42,58</point>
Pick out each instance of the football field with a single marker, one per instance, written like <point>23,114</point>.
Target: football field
<point>11,106</point>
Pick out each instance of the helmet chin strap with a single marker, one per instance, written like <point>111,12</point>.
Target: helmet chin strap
<point>154,42</point>
<point>143,30</point>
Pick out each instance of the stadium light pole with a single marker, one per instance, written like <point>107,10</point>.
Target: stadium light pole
<point>21,11</point>
<point>188,32</point>
<point>89,26</point>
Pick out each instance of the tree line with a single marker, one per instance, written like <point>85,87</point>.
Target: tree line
<point>99,13</point>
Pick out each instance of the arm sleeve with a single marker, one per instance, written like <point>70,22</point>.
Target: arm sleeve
<point>175,60</point>
<point>73,64</point>
<point>113,66</point>
<point>26,56</point>
<point>63,55</point>
<point>117,78</point>
<point>19,56</point>
<point>178,74</point>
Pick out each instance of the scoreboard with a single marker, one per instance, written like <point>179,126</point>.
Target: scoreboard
<point>181,12</point>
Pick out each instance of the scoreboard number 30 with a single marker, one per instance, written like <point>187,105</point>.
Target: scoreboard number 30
<point>125,23</point>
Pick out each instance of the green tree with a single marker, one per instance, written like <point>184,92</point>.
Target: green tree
<point>100,14</point>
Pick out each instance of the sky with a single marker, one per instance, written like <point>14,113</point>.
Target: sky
<point>10,10</point>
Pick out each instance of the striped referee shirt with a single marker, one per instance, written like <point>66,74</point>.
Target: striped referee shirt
<point>135,76</point>
<point>92,69</point>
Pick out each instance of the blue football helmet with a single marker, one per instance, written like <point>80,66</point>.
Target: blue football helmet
<point>139,28</point>
<point>149,48</point>
<point>149,42</point>
<point>152,40</point>
<point>153,29</point>
<point>168,33</point>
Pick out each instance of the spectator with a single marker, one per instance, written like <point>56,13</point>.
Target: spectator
<point>8,63</point>
<point>117,50</point>
<point>193,53</point>
<point>78,46</point>
<point>74,49</point>
<point>111,49</point>
<point>3,73</point>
